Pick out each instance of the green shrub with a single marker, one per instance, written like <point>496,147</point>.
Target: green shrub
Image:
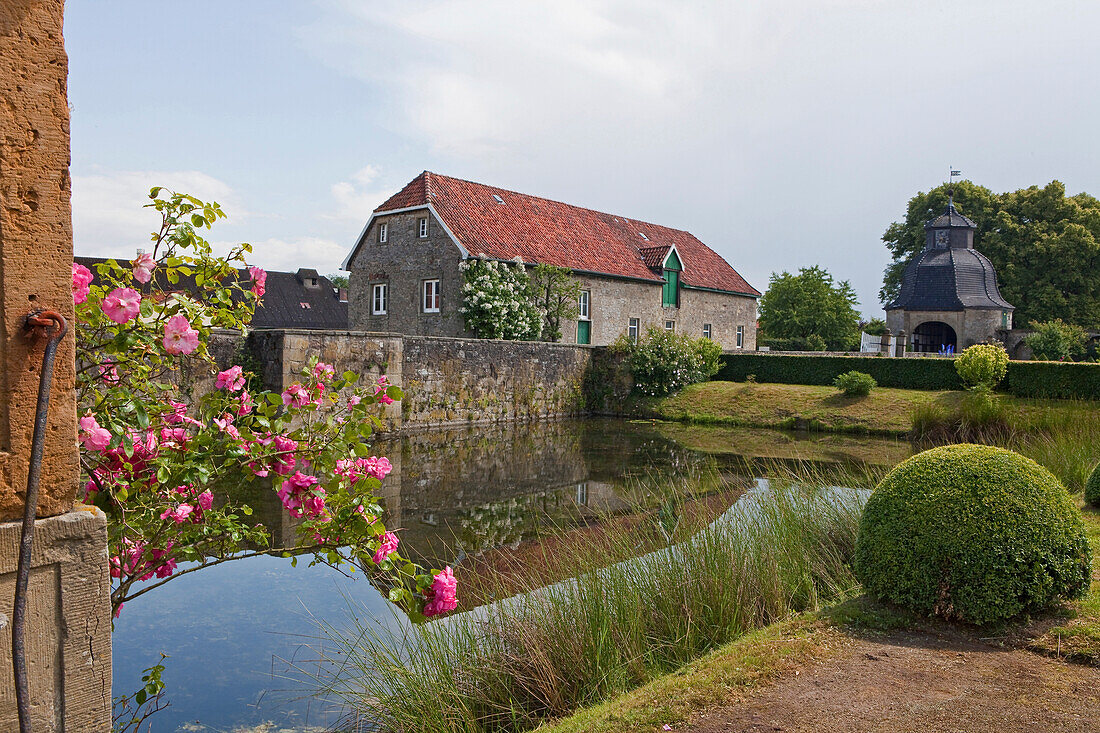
<point>1092,487</point>
<point>663,362</point>
<point>1057,341</point>
<point>855,383</point>
<point>982,365</point>
<point>972,533</point>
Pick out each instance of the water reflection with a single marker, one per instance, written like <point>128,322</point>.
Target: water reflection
<point>467,498</point>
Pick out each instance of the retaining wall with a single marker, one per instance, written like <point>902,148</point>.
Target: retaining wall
<point>447,381</point>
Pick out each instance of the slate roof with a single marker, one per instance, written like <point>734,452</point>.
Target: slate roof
<point>950,280</point>
<point>545,231</point>
<point>951,218</point>
<point>288,302</point>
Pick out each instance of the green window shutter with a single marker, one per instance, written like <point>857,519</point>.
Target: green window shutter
<point>671,291</point>
<point>584,332</point>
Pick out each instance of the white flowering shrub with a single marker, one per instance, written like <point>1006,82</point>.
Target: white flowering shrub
<point>663,362</point>
<point>498,301</point>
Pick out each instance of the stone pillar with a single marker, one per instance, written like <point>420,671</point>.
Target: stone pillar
<point>68,602</point>
<point>885,342</point>
<point>899,349</point>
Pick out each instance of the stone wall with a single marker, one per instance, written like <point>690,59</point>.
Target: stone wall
<point>403,262</point>
<point>613,302</point>
<point>448,381</point>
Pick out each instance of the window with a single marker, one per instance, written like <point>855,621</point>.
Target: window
<point>632,331</point>
<point>431,296</point>
<point>313,282</point>
<point>582,305</point>
<point>670,325</point>
<point>383,232</point>
<point>304,305</point>
<point>1006,320</point>
<point>497,198</point>
<point>740,337</point>
<point>423,227</point>
<point>379,296</point>
<point>582,494</point>
<point>706,330</point>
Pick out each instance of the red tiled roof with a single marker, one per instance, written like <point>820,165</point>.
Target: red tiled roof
<point>542,230</point>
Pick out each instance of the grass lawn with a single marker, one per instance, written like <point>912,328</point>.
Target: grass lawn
<point>883,412</point>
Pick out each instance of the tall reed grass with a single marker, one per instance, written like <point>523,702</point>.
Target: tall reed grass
<point>510,665</point>
<point>1061,435</point>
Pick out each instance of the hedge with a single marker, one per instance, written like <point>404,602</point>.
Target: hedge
<point>913,373</point>
<point>1038,379</point>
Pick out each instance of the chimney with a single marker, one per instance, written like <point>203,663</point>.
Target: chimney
<point>342,295</point>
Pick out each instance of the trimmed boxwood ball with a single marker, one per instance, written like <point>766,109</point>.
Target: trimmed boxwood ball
<point>1092,487</point>
<point>972,533</point>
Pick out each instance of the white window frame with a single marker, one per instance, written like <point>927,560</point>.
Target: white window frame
<point>633,327</point>
<point>383,232</point>
<point>707,331</point>
<point>583,301</point>
<point>379,301</point>
<point>434,295</point>
<point>670,326</point>
<point>740,337</point>
<point>423,224</point>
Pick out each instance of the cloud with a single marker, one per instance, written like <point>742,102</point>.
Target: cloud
<point>356,198</point>
<point>287,255</point>
<point>476,77</point>
<point>109,218</point>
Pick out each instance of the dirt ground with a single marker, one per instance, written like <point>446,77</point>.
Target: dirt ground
<point>920,682</point>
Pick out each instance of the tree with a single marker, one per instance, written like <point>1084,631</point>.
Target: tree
<point>873,327</point>
<point>1057,341</point>
<point>1044,245</point>
<point>557,294</point>
<point>337,280</point>
<point>810,304</point>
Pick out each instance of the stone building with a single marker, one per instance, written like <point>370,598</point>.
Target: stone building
<point>949,298</point>
<point>405,275</point>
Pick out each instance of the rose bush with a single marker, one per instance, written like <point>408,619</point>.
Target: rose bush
<point>160,460</point>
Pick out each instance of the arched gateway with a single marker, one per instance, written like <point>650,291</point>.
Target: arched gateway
<point>932,337</point>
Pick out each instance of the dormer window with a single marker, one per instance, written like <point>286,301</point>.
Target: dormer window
<point>383,232</point>
<point>670,292</point>
<point>423,227</point>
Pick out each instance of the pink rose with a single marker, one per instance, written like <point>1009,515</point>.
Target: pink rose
<point>122,304</point>
<point>179,514</point>
<point>246,403</point>
<point>176,436</point>
<point>443,593</point>
<point>259,279</point>
<point>324,371</point>
<point>225,424</point>
<point>82,278</point>
<point>142,266</point>
<point>232,379</point>
<point>92,436</point>
<point>293,490</point>
<point>387,548</point>
<point>296,395</point>
<point>206,500</point>
<point>283,461</point>
<point>179,337</point>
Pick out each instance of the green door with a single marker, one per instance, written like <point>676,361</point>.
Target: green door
<point>584,332</point>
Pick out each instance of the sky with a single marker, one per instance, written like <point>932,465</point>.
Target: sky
<point>782,133</point>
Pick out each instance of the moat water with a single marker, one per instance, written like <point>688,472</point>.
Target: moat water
<point>240,636</point>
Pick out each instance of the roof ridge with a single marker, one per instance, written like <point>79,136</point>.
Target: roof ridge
<point>563,203</point>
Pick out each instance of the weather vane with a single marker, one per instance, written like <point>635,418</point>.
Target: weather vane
<point>954,174</point>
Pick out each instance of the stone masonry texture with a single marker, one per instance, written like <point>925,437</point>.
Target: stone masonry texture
<point>447,381</point>
<point>69,623</point>
<point>35,250</point>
